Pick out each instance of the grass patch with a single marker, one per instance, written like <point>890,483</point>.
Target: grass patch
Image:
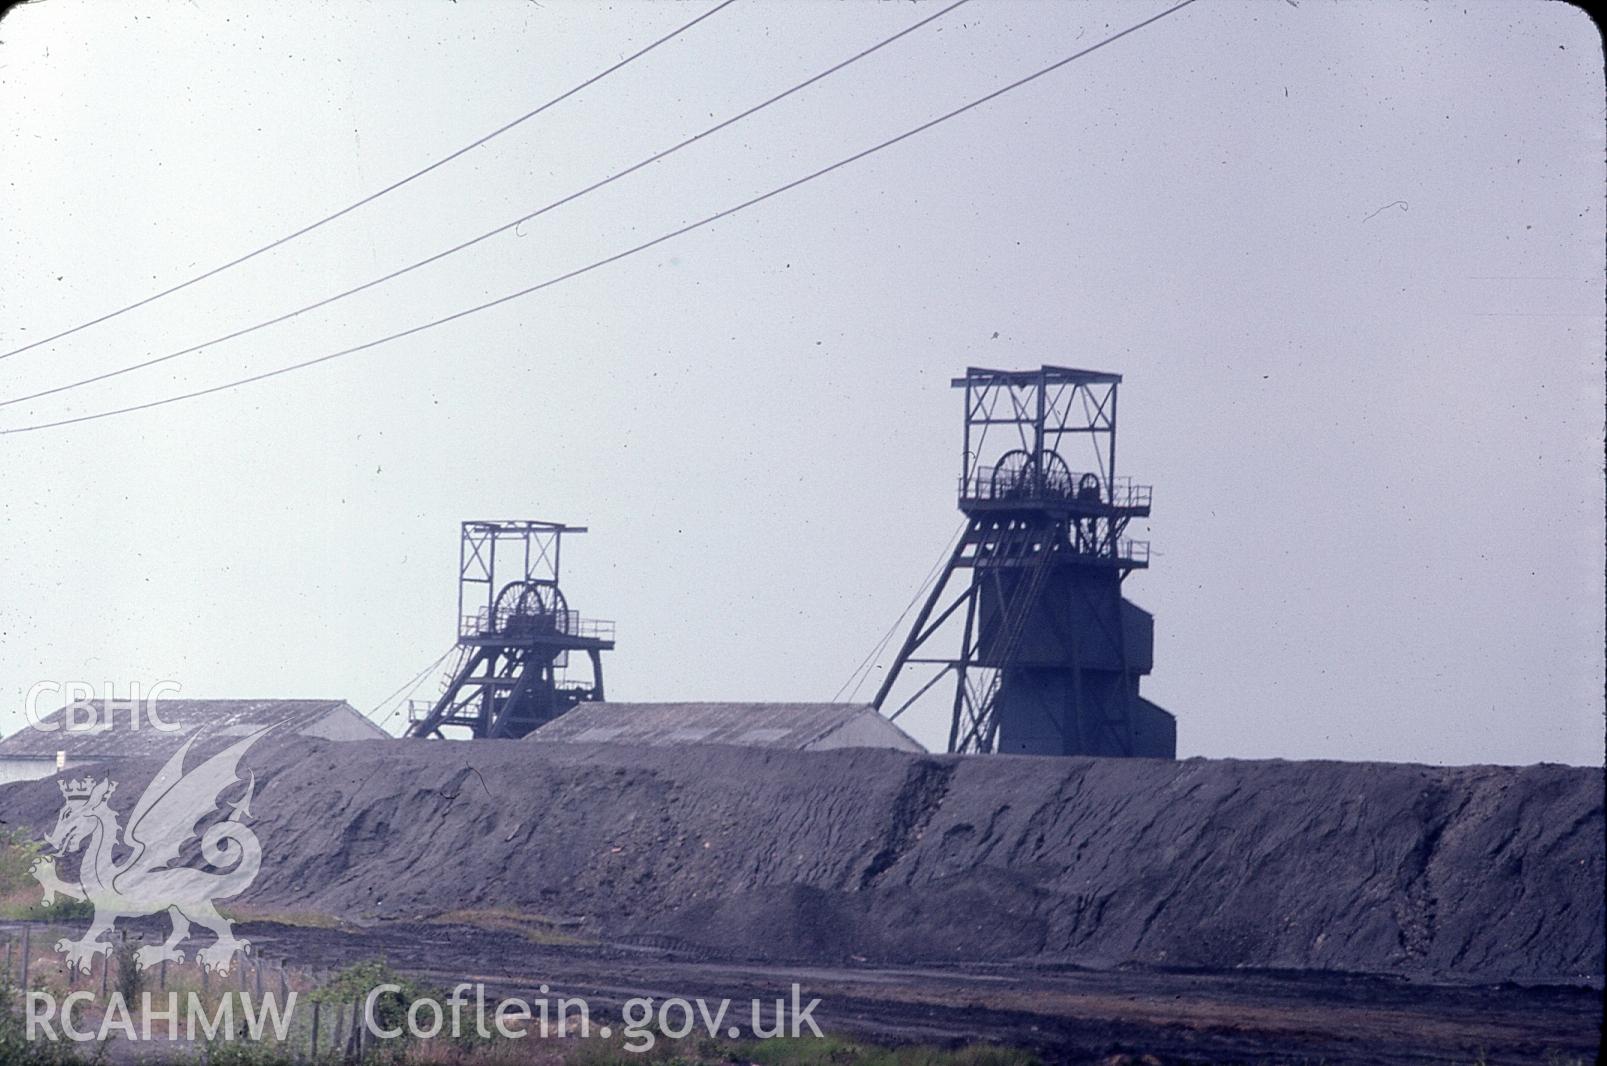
<point>833,1052</point>
<point>536,928</point>
<point>17,1050</point>
<point>693,1051</point>
<point>20,894</point>
<point>298,919</point>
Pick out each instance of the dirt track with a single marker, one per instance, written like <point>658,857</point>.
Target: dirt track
<point>1067,1015</point>
<point>1063,1014</point>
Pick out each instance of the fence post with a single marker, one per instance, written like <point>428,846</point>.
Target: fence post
<point>340,1028</point>
<point>357,1027</point>
<point>313,1052</point>
<point>25,930</point>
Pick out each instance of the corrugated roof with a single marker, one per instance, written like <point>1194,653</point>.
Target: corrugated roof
<point>797,726</point>
<point>126,738</point>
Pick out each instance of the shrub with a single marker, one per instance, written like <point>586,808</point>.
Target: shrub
<point>15,1047</point>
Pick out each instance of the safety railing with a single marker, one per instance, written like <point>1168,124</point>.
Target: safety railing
<point>987,484</point>
<point>1127,552</point>
<point>560,623</point>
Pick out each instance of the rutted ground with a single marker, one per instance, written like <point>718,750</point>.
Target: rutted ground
<point>1063,1014</point>
<point>1471,873</point>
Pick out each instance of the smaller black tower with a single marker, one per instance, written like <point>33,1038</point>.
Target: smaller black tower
<point>516,633</point>
<point>1049,652</point>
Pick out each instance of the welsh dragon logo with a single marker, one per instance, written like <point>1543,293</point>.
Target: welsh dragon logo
<point>145,879</point>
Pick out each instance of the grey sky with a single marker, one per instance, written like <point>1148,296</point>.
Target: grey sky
<point>1375,436</point>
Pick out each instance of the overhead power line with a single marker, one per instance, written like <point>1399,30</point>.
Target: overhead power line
<point>487,235</point>
<point>617,256</point>
<point>371,197</point>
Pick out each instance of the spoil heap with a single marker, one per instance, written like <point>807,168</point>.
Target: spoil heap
<point>1483,873</point>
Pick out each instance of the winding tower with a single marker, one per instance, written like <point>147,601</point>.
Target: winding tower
<point>1027,621</point>
<point>516,635</point>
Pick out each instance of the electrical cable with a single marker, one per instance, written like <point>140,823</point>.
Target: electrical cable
<point>863,670</point>
<point>407,689</point>
<point>371,197</point>
<point>505,227</point>
<point>596,264</point>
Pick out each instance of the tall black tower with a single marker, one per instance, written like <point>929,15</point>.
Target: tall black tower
<point>1028,617</point>
<point>516,634</point>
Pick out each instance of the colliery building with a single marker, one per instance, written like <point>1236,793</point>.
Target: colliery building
<point>107,732</point>
<point>1027,626</point>
<point>1025,640</point>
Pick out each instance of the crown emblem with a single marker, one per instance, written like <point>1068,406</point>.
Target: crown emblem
<point>81,788</point>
